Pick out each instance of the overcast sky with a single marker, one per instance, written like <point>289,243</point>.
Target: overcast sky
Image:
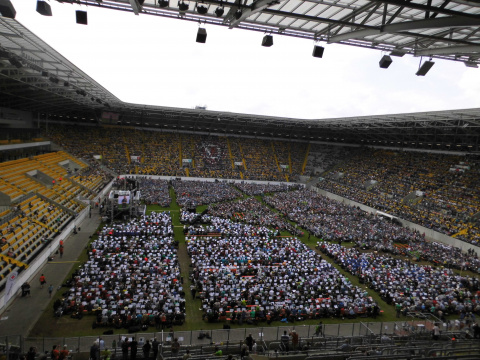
<point>153,60</point>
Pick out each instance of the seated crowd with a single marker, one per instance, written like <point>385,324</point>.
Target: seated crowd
<point>253,212</point>
<point>247,274</point>
<point>196,193</point>
<point>448,200</point>
<point>132,276</point>
<point>416,288</point>
<point>253,189</point>
<point>154,191</point>
<point>331,220</point>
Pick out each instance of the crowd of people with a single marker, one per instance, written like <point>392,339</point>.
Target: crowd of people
<point>448,197</point>
<point>251,211</point>
<point>254,189</point>
<point>332,220</point>
<point>147,152</point>
<point>415,288</point>
<point>132,276</point>
<point>248,274</point>
<point>194,193</point>
<point>154,191</point>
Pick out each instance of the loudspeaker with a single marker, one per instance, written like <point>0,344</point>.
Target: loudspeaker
<point>201,35</point>
<point>424,68</point>
<point>108,332</point>
<point>385,61</point>
<point>43,8</point>
<point>226,327</point>
<point>318,51</point>
<point>7,9</point>
<point>267,40</point>
<point>81,17</point>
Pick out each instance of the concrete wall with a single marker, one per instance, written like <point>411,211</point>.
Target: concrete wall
<point>430,234</point>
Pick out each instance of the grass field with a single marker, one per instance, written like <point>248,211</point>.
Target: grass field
<point>49,326</point>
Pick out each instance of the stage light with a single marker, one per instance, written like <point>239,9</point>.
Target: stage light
<point>385,62</point>
<point>81,17</point>
<point>201,35</point>
<point>53,79</point>
<point>45,73</point>
<point>219,11</point>
<point>163,3</point>
<point>423,70</point>
<point>202,9</point>
<point>7,9</point>
<point>267,40</point>
<point>66,84</point>
<point>318,51</point>
<point>182,6</point>
<point>43,8</point>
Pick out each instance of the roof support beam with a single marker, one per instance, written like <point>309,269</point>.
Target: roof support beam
<point>256,7</point>
<point>430,23</point>
<point>438,10</point>
<point>449,50</point>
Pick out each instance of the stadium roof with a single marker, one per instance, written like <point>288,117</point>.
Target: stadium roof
<point>447,29</point>
<point>36,78</point>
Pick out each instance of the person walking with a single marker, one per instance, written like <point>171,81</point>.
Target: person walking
<point>50,290</point>
<point>43,281</point>
<point>60,250</point>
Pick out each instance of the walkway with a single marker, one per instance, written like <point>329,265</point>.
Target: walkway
<point>22,314</point>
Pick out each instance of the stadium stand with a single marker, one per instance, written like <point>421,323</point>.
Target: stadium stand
<point>433,190</point>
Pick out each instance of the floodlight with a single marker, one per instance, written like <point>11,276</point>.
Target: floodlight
<point>81,17</point>
<point>43,8</point>
<point>182,6</point>
<point>423,70</point>
<point>318,51</point>
<point>267,40</point>
<point>202,9</point>
<point>201,35</point>
<point>219,11</point>
<point>385,62</point>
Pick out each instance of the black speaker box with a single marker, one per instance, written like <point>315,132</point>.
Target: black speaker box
<point>43,8</point>
<point>7,9</point>
<point>267,40</point>
<point>108,332</point>
<point>385,62</point>
<point>318,51</point>
<point>81,17</point>
<point>201,35</point>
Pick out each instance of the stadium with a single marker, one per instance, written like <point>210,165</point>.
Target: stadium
<point>143,231</point>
